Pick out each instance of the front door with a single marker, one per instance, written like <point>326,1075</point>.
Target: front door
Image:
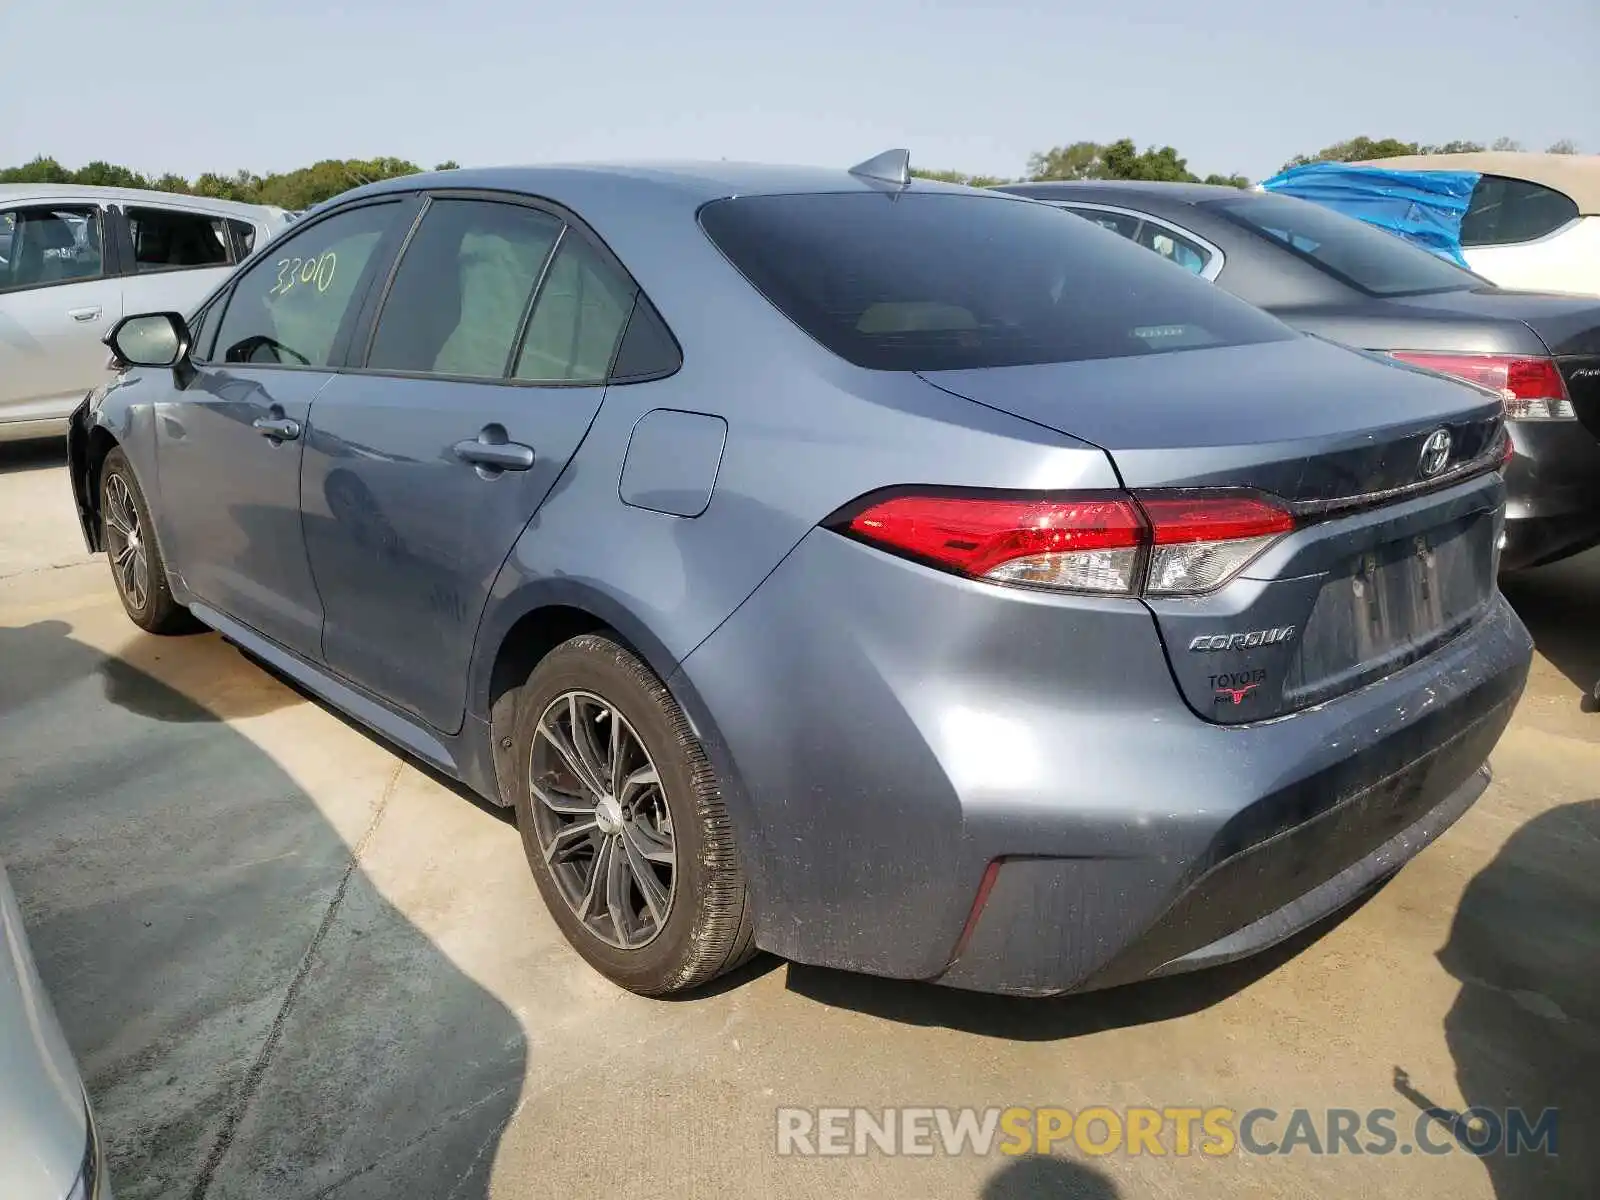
<point>422,472</point>
<point>229,445</point>
<point>56,303</point>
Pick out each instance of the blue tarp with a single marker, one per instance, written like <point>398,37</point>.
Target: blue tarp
<point>1424,207</point>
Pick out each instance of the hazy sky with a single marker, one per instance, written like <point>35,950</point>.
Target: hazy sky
<point>1235,85</point>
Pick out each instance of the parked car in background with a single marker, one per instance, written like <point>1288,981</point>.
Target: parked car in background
<point>49,1146</point>
<point>891,575</point>
<point>74,259</point>
<point>1533,221</point>
<point>1344,280</point>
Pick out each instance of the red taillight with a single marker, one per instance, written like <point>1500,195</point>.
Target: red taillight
<point>1531,387</point>
<point>1166,545</point>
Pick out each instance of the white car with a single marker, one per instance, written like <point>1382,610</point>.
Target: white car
<point>1534,220</point>
<point>74,259</point>
<point>49,1147</point>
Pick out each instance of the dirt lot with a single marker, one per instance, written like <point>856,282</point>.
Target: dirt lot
<point>293,965</point>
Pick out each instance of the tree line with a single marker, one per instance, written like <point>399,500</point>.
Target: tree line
<point>1121,159</point>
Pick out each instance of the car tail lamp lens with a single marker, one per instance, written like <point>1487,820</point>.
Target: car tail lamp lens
<point>1201,543</point>
<point>1088,545</point>
<point>1531,388</point>
<point>1110,545</point>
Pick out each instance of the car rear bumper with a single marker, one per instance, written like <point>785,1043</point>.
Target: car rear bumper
<point>1553,486</point>
<point>896,743</point>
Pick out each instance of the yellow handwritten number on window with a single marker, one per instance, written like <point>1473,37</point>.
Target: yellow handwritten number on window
<point>293,271</point>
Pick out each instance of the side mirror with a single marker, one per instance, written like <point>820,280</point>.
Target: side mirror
<point>150,340</point>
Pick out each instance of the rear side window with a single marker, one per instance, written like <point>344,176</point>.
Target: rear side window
<point>463,287</point>
<point>165,240</point>
<point>1173,246</point>
<point>1122,223</point>
<point>1505,211</point>
<point>578,320</point>
<point>935,281</point>
<point>1350,250</point>
<point>244,236</point>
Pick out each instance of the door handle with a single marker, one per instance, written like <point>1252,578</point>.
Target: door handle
<point>499,455</point>
<point>279,428</point>
<point>85,314</point>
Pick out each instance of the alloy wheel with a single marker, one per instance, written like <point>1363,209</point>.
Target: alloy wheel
<point>603,825</point>
<point>125,542</point>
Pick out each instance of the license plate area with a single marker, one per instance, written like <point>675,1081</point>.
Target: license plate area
<point>1391,605</point>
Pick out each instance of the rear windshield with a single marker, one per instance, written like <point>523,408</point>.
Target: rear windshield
<point>1367,258</point>
<point>934,282</point>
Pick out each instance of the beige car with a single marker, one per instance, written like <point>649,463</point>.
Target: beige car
<point>74,259</point>
<point>1534,220</point>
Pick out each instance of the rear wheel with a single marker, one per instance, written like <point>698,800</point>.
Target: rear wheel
<point>623,822</point>
<point>137,568</point>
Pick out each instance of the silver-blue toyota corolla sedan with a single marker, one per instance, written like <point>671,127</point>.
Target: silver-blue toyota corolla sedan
<point>890,575</point>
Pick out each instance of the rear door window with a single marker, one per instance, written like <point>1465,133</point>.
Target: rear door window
<point>927,281</point>
<point>1506,211</point>
<point>1124,223</point>
<point>165,239</point>
<point>51,244</point>
<point>462,290</point>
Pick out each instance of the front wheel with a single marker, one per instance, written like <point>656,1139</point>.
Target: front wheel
<point>137,568</point>
<point>623,822</point>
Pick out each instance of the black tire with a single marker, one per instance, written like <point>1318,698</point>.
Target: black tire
<point>151,606</point>
<point>708,927</point>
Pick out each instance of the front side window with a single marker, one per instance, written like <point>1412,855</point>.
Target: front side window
<point>1350,250</point>
<point>927,281</point>
<point>1506,211</point>
<point>289,308</point>
<point>167,240</point>
<point>462,289</point>
<point>578,318</point>
<point>50,245</point>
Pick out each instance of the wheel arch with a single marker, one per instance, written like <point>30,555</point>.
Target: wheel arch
<point>520,629</point>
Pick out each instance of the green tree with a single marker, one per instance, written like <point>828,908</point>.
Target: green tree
<point>1358,149</point>
<point>1505,143</point>
<point>171,183</point>
<point>1120,159</point>
<point>977,181</point>
<point>1453,148</point>
<point>39,170</point>
<point>1564,146</point>
<point>103,174</point>
<point>448,164</point>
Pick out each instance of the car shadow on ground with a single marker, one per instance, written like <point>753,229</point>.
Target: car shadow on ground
<point>35,454</point>
<point>1038,1177</point>
<point>252,1016</point>
<point>1560,605</point>
<point>1053,1018</point>
<point>1525,1029</point>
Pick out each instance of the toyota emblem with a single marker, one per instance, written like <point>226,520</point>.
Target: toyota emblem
<point>1435,453</point>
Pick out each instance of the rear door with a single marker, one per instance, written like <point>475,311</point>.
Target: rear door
<point>172,256</point>
<point>487,363</point>
<point>59,294</point>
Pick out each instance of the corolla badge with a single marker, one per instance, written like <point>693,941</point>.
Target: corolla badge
<point>1207,642</point>
<point>1435,453</point>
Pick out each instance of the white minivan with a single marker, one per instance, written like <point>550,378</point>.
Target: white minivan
<point>74,260</point>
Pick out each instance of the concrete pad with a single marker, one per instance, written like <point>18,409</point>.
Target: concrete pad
<point>292,965</point>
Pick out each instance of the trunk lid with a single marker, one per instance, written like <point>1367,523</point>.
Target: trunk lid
<point>1385,567</point>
